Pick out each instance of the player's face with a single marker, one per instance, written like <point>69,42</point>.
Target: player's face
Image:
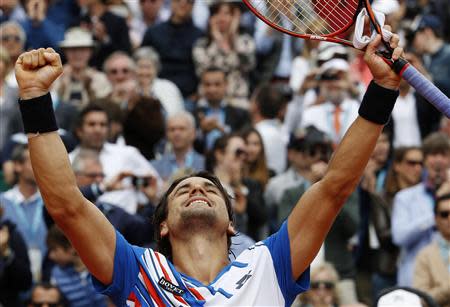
<point>94,130</point>
<point>195,205</point>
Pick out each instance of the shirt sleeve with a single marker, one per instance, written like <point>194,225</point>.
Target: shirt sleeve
<point>280,250</point>
<point>126,270</point>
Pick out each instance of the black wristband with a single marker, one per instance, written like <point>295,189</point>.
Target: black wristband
<point>377,104</point>
<point>38,115</point>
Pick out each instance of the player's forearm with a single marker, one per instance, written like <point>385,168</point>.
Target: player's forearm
<point>351,157</point>
<point>48,156</point>
<point>353,153</point>
<point>53,174</point>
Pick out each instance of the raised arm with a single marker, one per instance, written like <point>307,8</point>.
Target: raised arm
<point>86,227</point>
<point>315,212</point>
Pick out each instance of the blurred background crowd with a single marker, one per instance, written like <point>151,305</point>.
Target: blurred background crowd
<point>156,89</point>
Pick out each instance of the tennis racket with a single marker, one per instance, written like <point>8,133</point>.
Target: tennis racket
<point>332,21</point>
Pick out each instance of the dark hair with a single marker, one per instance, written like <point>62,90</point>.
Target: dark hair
<point>56,238</point>
<point>270,100</point>
<point>213,10</point>
<point>212,69</point>
<point>257,170</point>
<point>162,210</point>
<point>18,153</point>
<point>63,302</point>
<point>436,143</point>
<point>92,107</point>
<point>440,199</point>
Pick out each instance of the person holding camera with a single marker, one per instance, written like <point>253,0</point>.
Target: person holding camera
<point>91,181</point>
<point>92,131</point>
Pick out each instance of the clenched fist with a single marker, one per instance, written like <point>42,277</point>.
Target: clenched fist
<point>36,70</point>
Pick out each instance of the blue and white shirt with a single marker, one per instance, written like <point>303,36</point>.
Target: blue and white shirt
<point>260,276</point>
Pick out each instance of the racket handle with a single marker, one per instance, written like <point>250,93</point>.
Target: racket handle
<point>423,86</point>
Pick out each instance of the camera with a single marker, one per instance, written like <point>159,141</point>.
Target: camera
<point>140,182</point>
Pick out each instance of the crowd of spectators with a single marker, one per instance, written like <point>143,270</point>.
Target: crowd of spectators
<point>155,89</point>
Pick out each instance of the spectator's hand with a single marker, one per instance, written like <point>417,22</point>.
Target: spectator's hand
<point>35,72</point>
<point>115,183</point>
<point>240,201</point>
<point>318,170</point>
<point>444,188</point>
<point>234,27</point>
<point>4,240</point>
<point>310,81</point>
<point>151,190</point>
<point>208,123</point>
<point>219,38</point>
<point>369,178</point>
<point>382,72</point>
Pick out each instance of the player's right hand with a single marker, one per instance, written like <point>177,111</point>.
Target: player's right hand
<point>36,70</point>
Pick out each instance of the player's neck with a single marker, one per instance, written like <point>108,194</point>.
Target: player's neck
<point>202,257</point>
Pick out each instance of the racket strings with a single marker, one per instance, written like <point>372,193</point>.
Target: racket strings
<point>308,16</point>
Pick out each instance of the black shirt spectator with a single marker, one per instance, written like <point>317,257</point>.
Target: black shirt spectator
<point>174,40</point>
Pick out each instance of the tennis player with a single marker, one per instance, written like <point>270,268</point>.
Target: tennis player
<point>194,219</point>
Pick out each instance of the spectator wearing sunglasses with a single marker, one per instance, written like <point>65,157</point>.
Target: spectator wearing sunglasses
<point>323,291</point>
<point>413,220</point>
<point>47,295</point>
<point>432,267</point>
<point>13,37</point>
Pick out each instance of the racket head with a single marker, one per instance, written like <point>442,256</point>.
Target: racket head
<point>326,20</point>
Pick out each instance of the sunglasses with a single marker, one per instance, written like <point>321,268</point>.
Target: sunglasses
<point>329,285</point>
<point>45,304</point>
<point>414,162</point>
<point>115,71</point>
<point>15,38</point>
<point>444,214</point>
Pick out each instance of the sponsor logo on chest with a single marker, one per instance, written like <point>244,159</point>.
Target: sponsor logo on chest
<point>168,286</point>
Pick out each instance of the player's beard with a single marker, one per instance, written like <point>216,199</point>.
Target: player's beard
<point>198,220</point>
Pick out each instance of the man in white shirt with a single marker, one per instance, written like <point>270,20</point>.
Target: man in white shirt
<point>338,110</point>
<point>92,130</point>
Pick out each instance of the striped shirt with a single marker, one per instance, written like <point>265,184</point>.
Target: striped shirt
<point>77,287</point>
<point>261,275</point>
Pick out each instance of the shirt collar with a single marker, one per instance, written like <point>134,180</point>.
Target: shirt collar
<point>18,197</point>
